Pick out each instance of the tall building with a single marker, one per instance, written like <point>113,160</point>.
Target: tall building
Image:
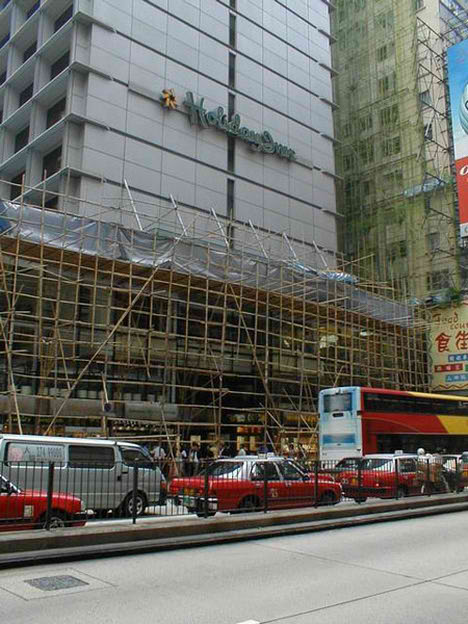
<point>168,265</point>
<point>398,196</point>
<point>110,101</point>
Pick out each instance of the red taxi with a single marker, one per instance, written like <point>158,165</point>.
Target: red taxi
<point>381,476</point>
<point>240,484</point>
<point>26,509</point>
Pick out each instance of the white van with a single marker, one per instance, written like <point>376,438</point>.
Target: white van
<point>100,472</point>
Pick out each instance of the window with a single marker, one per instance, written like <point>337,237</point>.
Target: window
<point>367,187</point>
<point>16,185</point>
<point>230,208</point>
<point>265,471</point>
<point>90,456</point>
<point>63,18</point>
<point>231,153</point>
<point>5,40</point>
<point>26,94</point>
<point>2,77</point>
<point>21,139</point>
<point>56,112</point>
<point>29,51</point>
<point>389,116</point>
<point>433,241</point>
<point>232,30</point>
<point>59,65</point>
<point>348,162</point>
<point>365,123</point>
<point>428,132</point>
<point>290,472</point>
<point>386,85</point>
<point>366,150</point>
<point>52,162</point>
<point>231,142</point>
<point>438,280</point>
<point>132,456</point>
<point>393,179</point>
<point>347,129</point>
<point>391,146</point>
<point>382,53</point>
<point>232,70</point>
<point>385,21</point>
<point>425,98</point>
<point>32,452</point>
<point>33,9</point>
<point>52,203</point>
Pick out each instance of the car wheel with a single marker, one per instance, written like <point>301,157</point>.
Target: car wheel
<point>248,504</point>
<point>460,489</point>
<point>58,520</point>
<point>360,499</point>
<point>328,498</point>
<point>140,505</point>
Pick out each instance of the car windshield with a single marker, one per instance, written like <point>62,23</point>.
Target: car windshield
<point>374,464</point>
<point>223,469</point>
<point>347,463</point>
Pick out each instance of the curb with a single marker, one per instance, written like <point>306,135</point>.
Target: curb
<point>42,547</point>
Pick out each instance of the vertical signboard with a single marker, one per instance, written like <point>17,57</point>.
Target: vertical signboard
<point>457,57</point>
<point>448,349</point>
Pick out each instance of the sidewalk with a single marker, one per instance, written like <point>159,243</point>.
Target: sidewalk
<point>25,548</point>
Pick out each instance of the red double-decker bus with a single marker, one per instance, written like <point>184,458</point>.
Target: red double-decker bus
<point>356,421</point>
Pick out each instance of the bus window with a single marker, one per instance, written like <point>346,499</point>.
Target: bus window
<point>337,402</point>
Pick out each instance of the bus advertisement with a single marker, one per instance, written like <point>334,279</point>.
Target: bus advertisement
<point>356,421</point>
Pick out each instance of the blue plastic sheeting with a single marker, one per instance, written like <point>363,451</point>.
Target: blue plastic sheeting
<point>192,256</point>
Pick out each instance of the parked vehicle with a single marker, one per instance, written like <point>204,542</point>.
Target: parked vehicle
<point>382,476</point>
<point>100,472</point>
<point>27,509</point>
<point>347,463</point>
<point>456,471</point>
<point>240,484</point>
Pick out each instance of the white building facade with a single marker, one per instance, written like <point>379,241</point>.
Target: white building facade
<point>223,105</point>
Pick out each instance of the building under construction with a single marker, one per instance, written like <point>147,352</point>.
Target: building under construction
<point>395,154</point>
<point>164,329</point>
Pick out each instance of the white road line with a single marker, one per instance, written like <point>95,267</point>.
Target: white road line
<point>249,622</point>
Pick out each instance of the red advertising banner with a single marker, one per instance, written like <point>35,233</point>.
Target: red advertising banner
<point>461,166</point>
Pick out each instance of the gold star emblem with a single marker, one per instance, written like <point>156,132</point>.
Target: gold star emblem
<point>168,99</point>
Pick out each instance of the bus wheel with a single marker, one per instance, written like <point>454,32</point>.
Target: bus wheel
<point>360,499</point>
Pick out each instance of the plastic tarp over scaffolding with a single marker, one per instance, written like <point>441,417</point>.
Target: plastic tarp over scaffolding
<point>192,256</point>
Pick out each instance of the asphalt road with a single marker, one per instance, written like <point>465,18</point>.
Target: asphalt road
<point>409,571</point>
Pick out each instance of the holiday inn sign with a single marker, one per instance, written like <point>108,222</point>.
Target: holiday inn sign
<point>258,141</point>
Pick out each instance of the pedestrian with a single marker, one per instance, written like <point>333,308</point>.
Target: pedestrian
<point>158,453</point>
<point>193,459</point>
<point>159,457</point>
<point>439,476</point>
<point>241,451</point>
<point>224,451</point>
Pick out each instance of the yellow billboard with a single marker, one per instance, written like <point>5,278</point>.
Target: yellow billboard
<point>448,348</point>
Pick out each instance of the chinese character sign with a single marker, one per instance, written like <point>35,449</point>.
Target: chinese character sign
<point>448,348</point>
